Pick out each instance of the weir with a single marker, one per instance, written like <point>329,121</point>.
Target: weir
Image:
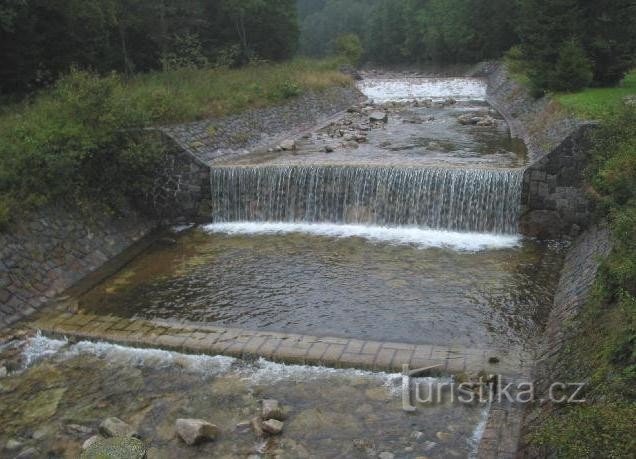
<point>453,199</point>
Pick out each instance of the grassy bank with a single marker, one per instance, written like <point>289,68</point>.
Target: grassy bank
<point>598,103</point>
<point>603,351</point>
<point>71,141</point>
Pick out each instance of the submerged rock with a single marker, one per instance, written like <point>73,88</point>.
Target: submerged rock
<point>115,427</point>
<point>30,453</point>
<point>115,448</point>
<point>272,410</point>
<point>13,444</point>
<point>288,145</point>
<point>89,442</point>
<point>195,431</point>
<point>378,116</point>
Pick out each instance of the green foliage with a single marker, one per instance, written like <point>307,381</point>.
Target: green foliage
<point>573,70</point>
<point>591,431</point>
<point>604,351</point>
<point>71,144</point>
<point>78,142</point>
<point>599,103</point>
<point>349,47</point>
<point>604,30</point>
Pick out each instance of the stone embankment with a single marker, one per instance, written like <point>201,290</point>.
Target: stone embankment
<point>554,203</point>
<point>262,128</point>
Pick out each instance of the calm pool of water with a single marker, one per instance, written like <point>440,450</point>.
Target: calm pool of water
<point>338,286</point>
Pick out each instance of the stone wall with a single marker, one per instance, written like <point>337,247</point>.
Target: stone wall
<point>48,252</point>
<point>261,128</point>
<point>577,279</point>
<point>554,201</point>
<point>181,188</point>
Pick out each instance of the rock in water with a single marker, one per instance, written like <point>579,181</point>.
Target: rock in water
<point>288,145</point>
<point>115,427</point>
<point>272,410</point>
<point>194,431</point>
<point>115,448</point>
<point>90,442</point>
<point>272,426</point>
<point>30,453</point>
<point>379,117</point>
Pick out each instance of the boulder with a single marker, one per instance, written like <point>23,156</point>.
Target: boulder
<point>271,409</point>
<point>3,372</point>
<point>115,448</point>
<point>115,427</point>
<point>377,116</point>
<point>13,444</point>
<point>328,149</point>
<point>195,431</point>
<point>288,145</point>
<point>272,426</point>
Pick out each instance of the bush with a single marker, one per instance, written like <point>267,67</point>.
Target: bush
<point>72,143</point>
<point>573,70</point>
<point>349,48</point>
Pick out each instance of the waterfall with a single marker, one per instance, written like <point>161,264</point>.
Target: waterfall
<point>475,200</point>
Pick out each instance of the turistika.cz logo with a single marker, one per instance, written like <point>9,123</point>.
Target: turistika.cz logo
<point>483,390</point>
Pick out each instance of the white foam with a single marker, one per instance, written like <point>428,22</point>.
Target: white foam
<point>265,371</point>
<point>406,89</point>
<point>40,347</point>
<point>422,238</point>
<point>475,440</point>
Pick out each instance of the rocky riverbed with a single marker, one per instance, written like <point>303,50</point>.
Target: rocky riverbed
<point>61,398</point>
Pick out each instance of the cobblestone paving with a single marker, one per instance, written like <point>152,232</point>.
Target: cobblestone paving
<point>279,347</point>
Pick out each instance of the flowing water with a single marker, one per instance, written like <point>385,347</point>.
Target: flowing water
<point>476,200</point>
<point>407,235</point>
<point>65,390</point>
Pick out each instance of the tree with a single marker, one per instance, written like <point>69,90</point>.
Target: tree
<point>573,70</point>
<point>349,47</point>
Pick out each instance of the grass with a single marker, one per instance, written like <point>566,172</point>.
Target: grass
<point>187,95</point>
<point>598,103</point>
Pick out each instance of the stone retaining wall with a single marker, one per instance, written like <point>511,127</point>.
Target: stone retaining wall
<point>554,203</point>
<point>261,128</point>
<point>181,189</point>
<point>577,279</point>
<point>47,253</point>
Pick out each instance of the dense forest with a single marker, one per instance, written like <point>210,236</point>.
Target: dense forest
<point>564,44</point>
<point>39,39</point>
